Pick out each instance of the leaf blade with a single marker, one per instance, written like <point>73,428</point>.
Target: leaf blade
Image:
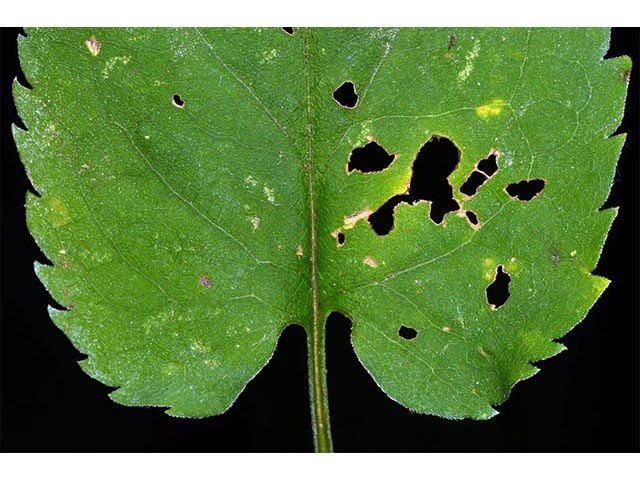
<point>469,356</point>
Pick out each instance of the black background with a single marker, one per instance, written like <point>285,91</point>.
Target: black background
<point>585,399</point>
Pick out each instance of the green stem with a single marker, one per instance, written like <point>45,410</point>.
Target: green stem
<point>318,388</point>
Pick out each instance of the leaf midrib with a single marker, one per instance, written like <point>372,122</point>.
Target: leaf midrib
<point>316,355</point>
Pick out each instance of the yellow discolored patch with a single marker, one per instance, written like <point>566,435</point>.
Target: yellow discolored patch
<point>58,213</point>
<point>489,265</point>
<point>299,251</point>
<point>490,110</point>
<point>170,369</point>
<point>93,45</point>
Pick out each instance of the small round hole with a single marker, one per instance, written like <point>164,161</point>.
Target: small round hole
<point>346,95</point>
<point>177,101</point>
<point>340,238</point>
<point>408,333</point>
<point>473,218</point>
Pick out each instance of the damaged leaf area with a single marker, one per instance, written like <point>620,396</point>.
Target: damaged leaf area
<point>202,189</point>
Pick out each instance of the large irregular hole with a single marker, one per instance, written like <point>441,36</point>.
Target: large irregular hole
<point>381,220</point>
<point>484,170</point>
<point>346,95</point>
<point>526,190</point>
<point>288,30</point>
<point>435,161</point>
<point>370,158</point>
<point>408,333</point>
<point>498,290</point>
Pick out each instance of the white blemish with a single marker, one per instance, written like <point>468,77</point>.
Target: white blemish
<point>100,257</point>
<point>250,181</point>
<point>384,34</point>
<point>269,57</point>
<point>469,61</point>
<point>268,194</point>
<point>573,253</point>
<point>507,159</point>
<point>199,347</point>
<point>112,62</point>
<point>255,222</point>
<point>299,251</point>
<point>50,133</point>
<point>365,132</point>
<point>211,362</point>
<point>146,137</point>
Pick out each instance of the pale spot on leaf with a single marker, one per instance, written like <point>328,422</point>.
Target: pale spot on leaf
<point>370,261</point>
<point>269,194</point>
<point>249,181</point>
<point>58,213</point>
<point>470,59</point>
<point>351,220</point>
<point>93,45</point>
<point>255,222</point>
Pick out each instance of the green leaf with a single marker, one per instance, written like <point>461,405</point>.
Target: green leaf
<point>203,189</point>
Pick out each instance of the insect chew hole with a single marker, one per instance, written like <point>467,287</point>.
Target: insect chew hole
<point>177,101</point>
<point>346,95</point>
<point>498,291</point>
<point>408,333</point>
<point>370,158</point>
<point>526,190</point>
